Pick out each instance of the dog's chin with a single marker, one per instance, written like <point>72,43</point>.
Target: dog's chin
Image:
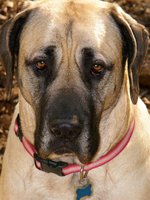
<point>71,158</point>
<point>68,158</point>
<point>65,155</point>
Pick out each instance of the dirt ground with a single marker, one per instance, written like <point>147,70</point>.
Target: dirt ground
<point>139,9</point>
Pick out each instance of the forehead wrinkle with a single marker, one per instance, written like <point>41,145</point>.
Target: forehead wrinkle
<point>69,38</point>
<point>71,31</point>
<point>79,9</point>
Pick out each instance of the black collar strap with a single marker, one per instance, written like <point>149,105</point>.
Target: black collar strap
<point>45,165</point>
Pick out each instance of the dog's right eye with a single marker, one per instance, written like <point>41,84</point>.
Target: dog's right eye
<point>41,65</point>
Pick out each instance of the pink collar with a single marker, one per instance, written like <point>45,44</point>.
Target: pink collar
<point>63,169</point>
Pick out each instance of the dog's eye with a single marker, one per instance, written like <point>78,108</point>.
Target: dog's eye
<point>41,65</point>
<point>97,69</point>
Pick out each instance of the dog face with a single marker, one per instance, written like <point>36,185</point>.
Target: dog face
<point>71,59</point>
<point>67,73</point>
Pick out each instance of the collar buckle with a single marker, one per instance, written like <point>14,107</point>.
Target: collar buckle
<point>49,166</point>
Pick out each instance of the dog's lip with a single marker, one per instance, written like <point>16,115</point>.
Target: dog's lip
<point>56,153</point>
<point>84,159</point>
<point>66,152</point>
<point>66,156</point>
<point>71,157</point>
<point>63,151</point>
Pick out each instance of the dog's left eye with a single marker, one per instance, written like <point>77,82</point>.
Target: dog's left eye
<point>97,69</point>
<point>41,65</point>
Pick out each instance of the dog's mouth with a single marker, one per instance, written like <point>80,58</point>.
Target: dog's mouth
<point>66,154</point>
<point>63,151</point>
<point>69,156</point>
<point>80,150</point>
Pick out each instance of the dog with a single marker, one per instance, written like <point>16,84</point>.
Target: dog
<point>79,130</point>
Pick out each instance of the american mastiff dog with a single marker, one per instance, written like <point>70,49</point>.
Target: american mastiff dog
<point>79,130</point>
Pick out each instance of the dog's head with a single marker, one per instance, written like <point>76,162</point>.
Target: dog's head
<point>71,58</point>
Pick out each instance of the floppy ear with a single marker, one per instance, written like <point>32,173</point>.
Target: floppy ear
<point>135,39</point>
<point>9,44</point>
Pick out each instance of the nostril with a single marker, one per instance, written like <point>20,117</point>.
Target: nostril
<point>76,131</point>
<point>55,131</point>
<point>65,130</point>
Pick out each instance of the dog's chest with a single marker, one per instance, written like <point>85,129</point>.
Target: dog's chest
<point>67,192</point>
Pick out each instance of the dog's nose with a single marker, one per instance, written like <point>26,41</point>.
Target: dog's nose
<point>65,129</point>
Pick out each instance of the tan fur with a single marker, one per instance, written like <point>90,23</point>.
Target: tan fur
<point>67,25</point>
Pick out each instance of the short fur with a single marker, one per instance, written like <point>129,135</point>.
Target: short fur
<point>72,36</point>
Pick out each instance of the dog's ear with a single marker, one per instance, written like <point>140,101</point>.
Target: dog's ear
<point>9,44</point>
<point>135,41</point>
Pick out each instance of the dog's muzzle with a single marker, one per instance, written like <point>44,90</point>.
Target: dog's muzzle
<point>66,126</point>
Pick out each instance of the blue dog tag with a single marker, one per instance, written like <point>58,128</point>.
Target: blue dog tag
<point>84,191</point>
